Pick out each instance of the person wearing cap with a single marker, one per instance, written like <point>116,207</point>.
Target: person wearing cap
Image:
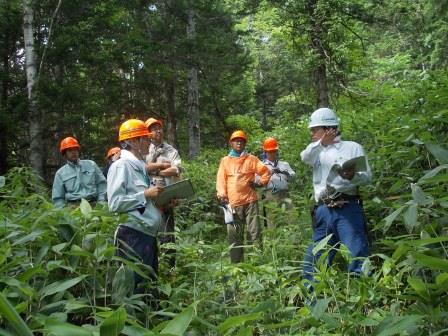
<point>129,192</point>
<point>276,191</point>
<point>163,164</point>
<point>235,185</point>
<point>339,211</point>
<point>77,179</point>
<point>112,155</point>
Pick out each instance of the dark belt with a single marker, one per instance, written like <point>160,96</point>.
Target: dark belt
<point>339,201</point>
<point>92,199</point>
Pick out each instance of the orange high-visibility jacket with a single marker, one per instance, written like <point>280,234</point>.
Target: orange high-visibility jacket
<point>235,176</point>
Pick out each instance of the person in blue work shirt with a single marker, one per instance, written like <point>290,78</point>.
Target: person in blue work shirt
<point>339,210</point>
<point>77,179</point>
<point>129,192</point>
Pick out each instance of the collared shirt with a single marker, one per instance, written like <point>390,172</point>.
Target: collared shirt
<point>322,158</point>
<point>164,153</point>
<point>282,175</point>
<point>235,176</point>
<point>74,181</point>
<point>126,184</point>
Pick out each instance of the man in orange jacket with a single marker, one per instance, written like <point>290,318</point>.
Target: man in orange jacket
<point>235,185</point>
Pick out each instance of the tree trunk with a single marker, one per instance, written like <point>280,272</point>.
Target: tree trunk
<point>170,88</point>
<point>194,134</point>
<point>35,128</point>
<point>4,104</point>
<point>317,35</point>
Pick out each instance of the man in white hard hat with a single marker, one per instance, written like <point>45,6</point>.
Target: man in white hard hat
<point>339,210</point>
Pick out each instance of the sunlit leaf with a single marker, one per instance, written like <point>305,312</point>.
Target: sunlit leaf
<point>2,181</point>
<point>113,325</point>
<point>431,262</point>
<point>391,218</point>
<point>60,286</point>
<point>9,314</point>
<point>393,325</point>
<point>410,217</point>
<point>432,173</point>
<point>237,321</point>
<point>419,286</point>
<point>419,196</point>
<point>180,323</point>
<point>58,328</point>
<point>322,244</point>
<point>440,153</point>
<point>86,208</point>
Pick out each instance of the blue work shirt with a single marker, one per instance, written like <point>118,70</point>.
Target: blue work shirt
<point>74,181</point>
<point>126,184</point>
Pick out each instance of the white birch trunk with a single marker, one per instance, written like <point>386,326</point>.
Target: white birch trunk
<point>194,134</point>
<point>35,126</point>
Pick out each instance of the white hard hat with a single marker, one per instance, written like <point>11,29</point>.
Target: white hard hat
<point>323,117</point>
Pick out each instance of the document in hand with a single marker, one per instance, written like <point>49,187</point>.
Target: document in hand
<point>359,164</point>
<point>179,190</point>
<point>228,213</point>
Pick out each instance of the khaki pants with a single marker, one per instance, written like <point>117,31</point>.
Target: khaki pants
<point>247,213</point>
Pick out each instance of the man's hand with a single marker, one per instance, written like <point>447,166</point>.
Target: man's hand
<point>347,173</point>
<point>223,199</point>
<point>328,137</point>
<point>254,185</point>
<point>153,192</point>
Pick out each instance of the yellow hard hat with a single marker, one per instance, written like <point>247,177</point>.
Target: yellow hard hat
<point>132,128</point>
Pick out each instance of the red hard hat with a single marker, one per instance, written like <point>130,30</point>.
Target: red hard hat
<point>112,151</point>
<point>68,143</point>
<point>151,121</point>
<point>270,144</point>
<point>238,134</point>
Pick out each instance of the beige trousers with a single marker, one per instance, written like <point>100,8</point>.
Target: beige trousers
<point>244,214</point>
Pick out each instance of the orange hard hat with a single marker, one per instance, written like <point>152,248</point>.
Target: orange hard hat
<point>67,143</point>
<point>132,128</point>
<point>270,144</point>
<point>112,151</point>
<point>152,121</point>
<point>238,134</point>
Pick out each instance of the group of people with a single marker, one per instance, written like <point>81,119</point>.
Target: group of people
<point>338,210</point>
<point>144,164</point>
<point>135,175</point>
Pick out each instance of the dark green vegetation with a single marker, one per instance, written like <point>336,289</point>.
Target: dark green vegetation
<point>263,67</point>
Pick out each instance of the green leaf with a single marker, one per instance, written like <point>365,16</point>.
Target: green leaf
<point>29,237</point>
<point>440,153</point>
<point>60,286</point>
<point>419,286</point>
<point>58,328</point>
<point>180,323</point>
<point>2,181</point>
<point>410,218</point>
<point>431,262</point>
<point>237,321</point>
<point>85,208</point>
<point>419,196</point>
<point>390,219</point>
<point>320,307</point>
<point>432,173</point>
<point>113,325</point>
<point>393,325</point>
<point>9,313</point>
<point>322,244</point>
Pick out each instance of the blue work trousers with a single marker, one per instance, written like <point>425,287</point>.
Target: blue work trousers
<point>347,225</point>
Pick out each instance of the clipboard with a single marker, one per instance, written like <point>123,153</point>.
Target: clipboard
<point>179,190</point>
